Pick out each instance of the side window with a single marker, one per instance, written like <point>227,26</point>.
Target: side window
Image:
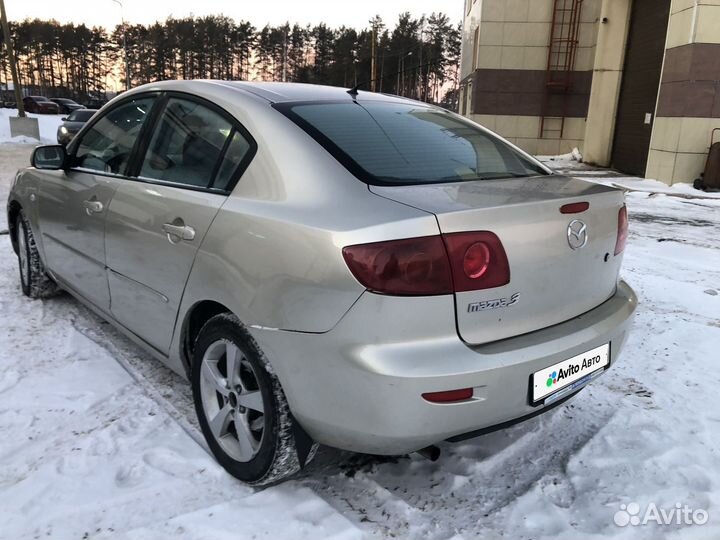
<point>237,151</point>
<point>187,145</point>
<point>108,144</point>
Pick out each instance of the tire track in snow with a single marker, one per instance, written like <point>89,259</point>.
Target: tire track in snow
<point>474,481</point>
<point>176,400</point>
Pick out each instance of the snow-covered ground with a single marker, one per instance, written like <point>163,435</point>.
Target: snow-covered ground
<point>47,125</point>
<point>98,440</point>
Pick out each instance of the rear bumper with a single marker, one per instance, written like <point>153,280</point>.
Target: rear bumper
<point>359,386</point>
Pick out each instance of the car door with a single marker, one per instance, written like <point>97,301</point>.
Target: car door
<point>73,203</point>
<point>157,220</point>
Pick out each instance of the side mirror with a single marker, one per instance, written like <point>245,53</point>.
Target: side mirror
<point>63,119</point>
<point>52,157</point>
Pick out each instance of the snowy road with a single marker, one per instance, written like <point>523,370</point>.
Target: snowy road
<point>98,440</point>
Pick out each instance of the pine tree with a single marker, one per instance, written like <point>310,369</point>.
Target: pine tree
<point>80,62</point>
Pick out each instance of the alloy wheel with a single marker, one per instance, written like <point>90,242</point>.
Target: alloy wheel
<point>232,400</point>
<point>23,255</point>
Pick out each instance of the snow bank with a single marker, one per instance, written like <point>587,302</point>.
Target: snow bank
<point>568,164</point>
<point>48,124</point>
<point>574,156</point>
<point>657,187</point>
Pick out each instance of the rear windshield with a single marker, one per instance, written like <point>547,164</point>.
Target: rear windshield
<point>397,143</point>
<point>81,115</point>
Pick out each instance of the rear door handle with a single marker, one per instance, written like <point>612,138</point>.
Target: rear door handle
<point>181,232</point>
<point>93,207</point>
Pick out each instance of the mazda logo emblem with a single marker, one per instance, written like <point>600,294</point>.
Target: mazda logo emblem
<point>577,234</point>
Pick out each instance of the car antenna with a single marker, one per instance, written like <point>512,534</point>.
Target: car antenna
<point>354,90</point>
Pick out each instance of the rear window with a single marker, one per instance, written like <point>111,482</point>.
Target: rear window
<point>398,143</point>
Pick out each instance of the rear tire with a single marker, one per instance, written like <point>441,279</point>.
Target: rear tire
<point>241,406</point>
<point>35,283</point>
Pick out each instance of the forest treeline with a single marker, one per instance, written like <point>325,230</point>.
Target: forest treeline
<point>417,57</point>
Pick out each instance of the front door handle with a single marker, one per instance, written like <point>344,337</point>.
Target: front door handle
<point>93,207</point>
<point>178,232</point>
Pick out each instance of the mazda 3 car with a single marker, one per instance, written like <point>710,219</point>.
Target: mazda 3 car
<point>328,266</point>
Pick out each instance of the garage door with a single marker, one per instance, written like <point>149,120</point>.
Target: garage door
<point>641,80</point>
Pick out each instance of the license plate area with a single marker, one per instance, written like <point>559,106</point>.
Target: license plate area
<point>561,379</point>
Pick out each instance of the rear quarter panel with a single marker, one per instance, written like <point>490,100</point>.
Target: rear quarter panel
<point>273,255</point>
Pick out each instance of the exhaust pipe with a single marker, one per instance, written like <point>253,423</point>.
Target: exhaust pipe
<point>431,452</point>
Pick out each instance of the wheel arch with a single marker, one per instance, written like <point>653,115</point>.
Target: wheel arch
<point>195,318</point>
<point>14,209</point>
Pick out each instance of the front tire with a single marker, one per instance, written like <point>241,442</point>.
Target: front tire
<point>35,283</point>
<point>241,406</point>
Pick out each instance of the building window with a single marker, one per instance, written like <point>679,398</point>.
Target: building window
<point>476,47</point>
<point>468,99</point>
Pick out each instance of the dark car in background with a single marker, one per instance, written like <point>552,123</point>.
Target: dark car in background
<point>40,105</point>
<point>66,105</point>
<point>96,103</point>
<point>72,124</point>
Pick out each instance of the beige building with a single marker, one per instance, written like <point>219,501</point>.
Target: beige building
<point>634,84</point>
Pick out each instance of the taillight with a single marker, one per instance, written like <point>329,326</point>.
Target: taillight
<point>430,265</point>
<point>410,267</point>
<point>622,231</point>
<point>478,260</point>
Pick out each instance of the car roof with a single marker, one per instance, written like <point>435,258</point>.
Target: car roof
<point>274,92</point>
<point>278,92</point>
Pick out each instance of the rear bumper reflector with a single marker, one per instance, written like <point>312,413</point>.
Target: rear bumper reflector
<point>574,208</point>
<point>451,396</point>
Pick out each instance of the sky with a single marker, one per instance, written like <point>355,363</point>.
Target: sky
<point>334,13</point>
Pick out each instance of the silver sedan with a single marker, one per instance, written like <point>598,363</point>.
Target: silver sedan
<point>328,266</point>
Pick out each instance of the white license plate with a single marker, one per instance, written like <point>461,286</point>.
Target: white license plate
<point>574,372</point>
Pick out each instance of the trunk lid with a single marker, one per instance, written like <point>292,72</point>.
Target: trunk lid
<point>549,281</point>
